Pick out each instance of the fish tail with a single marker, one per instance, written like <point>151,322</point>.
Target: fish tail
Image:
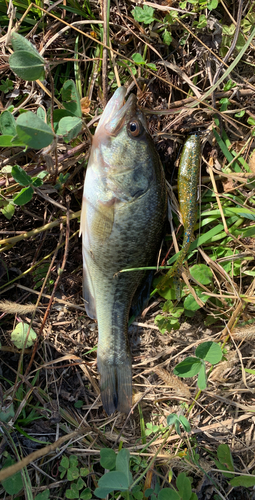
<point>115,386</point>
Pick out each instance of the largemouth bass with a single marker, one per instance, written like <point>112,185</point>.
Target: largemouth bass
<point>123,214</point>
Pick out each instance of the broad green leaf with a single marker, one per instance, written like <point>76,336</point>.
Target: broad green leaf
<point>122,464</point>
<point>212,4</point>
<point>209,351</point>
<point>202,378</point>
<point>37,182</point>
<point>19,335</point>
<point>152,66</point>
<point>8,141</point>
<point>33,131</point>
<point>167,37</point>
<point>73,473</point>
<point>7,123</point>
<point>24,196</point>
<point>80,483</point>
<point>191,305</point>
<point>45,495</point>
<point>107,458</point>
<point>14,484</point>
<point>84,471</point>
<point>225,456</point>
<point>71,98</point>
<point>185,423</point>
<point>64,462</point>
<point>168,494</point>
<point>20,176</point>
<point>143,14</point>
<point>86,494</point>
<point>7,413</point>
<point>27,65</point>
<point>102,492</point>
<point>8,210</point>
<point>201,273</point>
<point>188,367</point>
<point>138,58</point>
<point>171,419</point>
<point>246,481</point>
<point>19,42</point>
<point>184,486</point>
<point>70,126</point>
<point>73,492</point>
<point>114,480</point>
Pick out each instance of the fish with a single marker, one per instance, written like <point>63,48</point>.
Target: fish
<point>187,194</point>
<point>122,220</point>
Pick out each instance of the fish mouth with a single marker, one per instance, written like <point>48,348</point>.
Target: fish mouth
<point>115,112</point>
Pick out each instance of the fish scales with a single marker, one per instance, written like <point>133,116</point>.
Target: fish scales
<point>123,214</point>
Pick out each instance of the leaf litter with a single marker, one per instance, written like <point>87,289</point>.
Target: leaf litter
<point>54,385</point>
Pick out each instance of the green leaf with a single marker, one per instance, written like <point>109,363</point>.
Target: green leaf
<point>19,42</point>
<point>20,176</point>
<point>168,494</point>
<point>14,484</point>
<point>84,471</point>
<point>143,15</point>
<point>73,492</point>
<point>167,37</point>
<point>246,481</point>
<point>251,121</point>
<point>19,334</point>
<point>114,480</point>
<point>225,456</point>
<point>138,58</point>
<point>69,126</point>
<point>152,66</point>
<point>185,423</point>
<point>8,210</point>
<point>27,65</point>
<point>72,474</point>
<point>212,4</point>
<point>7,413</point>
<point>209,351</point>
<point>71,97</point>
<point>107,458</point>
<point>171,419</point>
<point>45,495</point>
<point>188,367</point>
<point>8,141</point>
<point>80,483</point>
<point>7,123</point>
<point>184,486</point>
<point>102,492</point>
<point>24,196</point>
<point>65,462</point>
<point>37,182</point>
<point>6,86</point>
<point>33,131</point>
<point>122,464</point>
<point>202,274</point>
<point>202,378</point>
<point>191,305</point>
<point>86,494</point>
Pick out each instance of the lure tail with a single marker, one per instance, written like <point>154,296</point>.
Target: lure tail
<point>115,385</point>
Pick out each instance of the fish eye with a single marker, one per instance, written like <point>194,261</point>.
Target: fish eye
<point>135,128</point>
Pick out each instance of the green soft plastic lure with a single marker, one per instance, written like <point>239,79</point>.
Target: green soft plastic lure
<point>187,194</point>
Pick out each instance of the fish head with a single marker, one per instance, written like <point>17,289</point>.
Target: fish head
<point>122,142</point>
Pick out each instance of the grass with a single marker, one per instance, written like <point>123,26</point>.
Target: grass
<point>54,431</point>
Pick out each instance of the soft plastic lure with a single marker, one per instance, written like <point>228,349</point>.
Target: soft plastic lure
<point>187,194</point>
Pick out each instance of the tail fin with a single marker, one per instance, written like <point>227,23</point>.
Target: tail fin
<point>116,386</point>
